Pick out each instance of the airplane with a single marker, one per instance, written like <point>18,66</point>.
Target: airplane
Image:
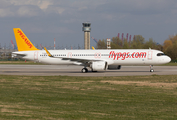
<point>96,59</point>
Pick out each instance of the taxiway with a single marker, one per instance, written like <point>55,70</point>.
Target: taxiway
<point>64,70</point>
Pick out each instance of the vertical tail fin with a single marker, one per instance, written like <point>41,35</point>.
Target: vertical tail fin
<point>23,43</point>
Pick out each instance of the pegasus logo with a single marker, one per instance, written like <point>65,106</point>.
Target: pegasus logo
<point>25,39</point>
<point>125,55</point>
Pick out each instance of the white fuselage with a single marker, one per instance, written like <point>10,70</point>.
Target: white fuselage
<point>112,57</point>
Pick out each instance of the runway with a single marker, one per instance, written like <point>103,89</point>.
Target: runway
<point>64,70</point>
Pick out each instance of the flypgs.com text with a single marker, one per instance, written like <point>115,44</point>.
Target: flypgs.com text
<point>124,55</point>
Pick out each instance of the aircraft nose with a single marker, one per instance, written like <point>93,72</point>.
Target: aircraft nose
<point>168,59</point>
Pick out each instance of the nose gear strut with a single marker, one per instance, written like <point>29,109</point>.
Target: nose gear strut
<point>151,68</point>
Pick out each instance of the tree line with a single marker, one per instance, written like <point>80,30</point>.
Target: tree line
<point>169,46</point>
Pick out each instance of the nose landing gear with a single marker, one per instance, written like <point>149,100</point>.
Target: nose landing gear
<point>151,68</point>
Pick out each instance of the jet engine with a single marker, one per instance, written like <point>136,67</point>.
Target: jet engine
<point>114,67</point>
<point>101,65</point>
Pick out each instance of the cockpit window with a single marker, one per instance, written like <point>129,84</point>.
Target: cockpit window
<point>160,54</point>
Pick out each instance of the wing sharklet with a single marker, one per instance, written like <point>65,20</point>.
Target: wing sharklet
<point>48,53</point>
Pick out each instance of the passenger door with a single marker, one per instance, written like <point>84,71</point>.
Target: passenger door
<point>150,55</point>
<point>35,55</point>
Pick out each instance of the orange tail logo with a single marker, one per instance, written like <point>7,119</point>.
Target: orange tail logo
<point>23,43</point>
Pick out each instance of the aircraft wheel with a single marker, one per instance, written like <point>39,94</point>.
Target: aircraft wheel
<point>151,68</point>
<point>84,70</point>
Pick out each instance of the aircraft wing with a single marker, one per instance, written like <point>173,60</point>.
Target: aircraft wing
<point>80,59</point>
<point>83,60</point>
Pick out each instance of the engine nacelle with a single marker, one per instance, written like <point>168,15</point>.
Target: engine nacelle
<point>114,67</point>
<point>98,66</point>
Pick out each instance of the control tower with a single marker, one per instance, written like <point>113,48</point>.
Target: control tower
<point>86,28</point>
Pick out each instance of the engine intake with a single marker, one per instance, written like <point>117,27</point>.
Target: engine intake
<point>98,66</point>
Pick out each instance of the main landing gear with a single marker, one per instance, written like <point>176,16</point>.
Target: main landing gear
<point>84,70</point>
<point>151,68</point>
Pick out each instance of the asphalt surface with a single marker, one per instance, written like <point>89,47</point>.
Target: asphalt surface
<point>64,70</point>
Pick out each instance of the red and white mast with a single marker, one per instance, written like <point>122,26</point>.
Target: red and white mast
<point>54,43</point>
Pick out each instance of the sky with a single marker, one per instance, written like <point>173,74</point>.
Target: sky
<point>44,20</point>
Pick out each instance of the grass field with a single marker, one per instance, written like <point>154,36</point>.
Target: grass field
<point>169,64</point>
<point>85,98</point>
